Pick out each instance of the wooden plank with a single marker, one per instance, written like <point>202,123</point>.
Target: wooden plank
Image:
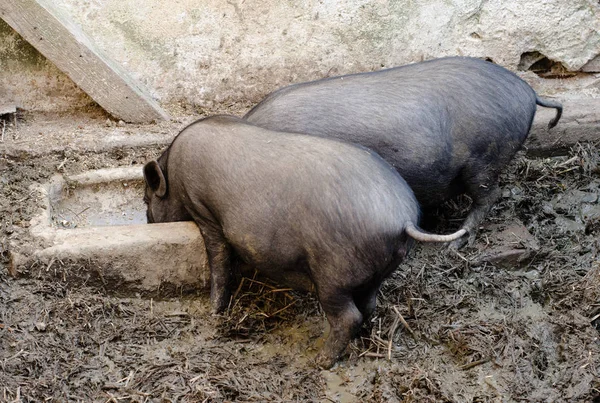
<point>64,44</point>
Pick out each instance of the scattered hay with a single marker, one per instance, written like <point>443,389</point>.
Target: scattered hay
<point>259,306</point>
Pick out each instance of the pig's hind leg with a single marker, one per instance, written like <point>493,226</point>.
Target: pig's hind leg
<point>484,190</point>
<point>365,296</point>
<point>348,297</point>
<point>344,319</point>
<point>366,301</point>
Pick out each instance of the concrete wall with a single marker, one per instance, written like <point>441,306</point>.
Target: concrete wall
<point>30,81</point>
<point>213,53</point>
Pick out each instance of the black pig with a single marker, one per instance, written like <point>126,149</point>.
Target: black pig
<point>292,206</point>
<point>449,126</point>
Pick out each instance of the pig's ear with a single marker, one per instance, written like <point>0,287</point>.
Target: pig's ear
<point>155,178</point>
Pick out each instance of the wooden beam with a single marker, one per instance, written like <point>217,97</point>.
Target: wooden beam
<point>64,44</point>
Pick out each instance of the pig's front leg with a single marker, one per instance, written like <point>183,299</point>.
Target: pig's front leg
<point>219,260</point>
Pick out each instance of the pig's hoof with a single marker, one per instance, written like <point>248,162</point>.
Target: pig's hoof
<point>325,362</point>
<point>218,306</point>
<point>216,312</point>
<point>460,242</point>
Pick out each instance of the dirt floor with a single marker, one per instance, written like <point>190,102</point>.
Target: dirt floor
<point>515,317</point>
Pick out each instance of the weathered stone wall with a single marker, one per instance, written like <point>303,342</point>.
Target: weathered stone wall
<point>212,53</point>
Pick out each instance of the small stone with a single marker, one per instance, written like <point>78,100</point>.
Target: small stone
<point>547,209</point>
<point>590,212</point>
<point>40,326</point>
<point>567,225</point>
<point>589,198</point>
<point>509,258</point>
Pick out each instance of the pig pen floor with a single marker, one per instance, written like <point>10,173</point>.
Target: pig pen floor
<point>481,329</point>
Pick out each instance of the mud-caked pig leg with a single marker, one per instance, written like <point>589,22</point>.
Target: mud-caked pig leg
<point>219,260</point>
<point>344,319</point>
<point>366,301</point>
<point>365,297</point>
<point>484,190</point>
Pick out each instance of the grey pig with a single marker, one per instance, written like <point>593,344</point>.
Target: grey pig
<point>294,207</point>
<point>449,126</point>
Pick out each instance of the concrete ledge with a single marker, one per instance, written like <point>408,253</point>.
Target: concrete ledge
<point>152,260</point>
<point>107,175</point>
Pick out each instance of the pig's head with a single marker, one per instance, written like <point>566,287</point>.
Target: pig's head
<point>163,204</point>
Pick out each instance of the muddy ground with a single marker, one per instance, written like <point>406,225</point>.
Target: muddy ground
<point>515,317</point>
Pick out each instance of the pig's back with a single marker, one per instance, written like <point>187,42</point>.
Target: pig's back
<point>402,98</point>
<point>426,119</point>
